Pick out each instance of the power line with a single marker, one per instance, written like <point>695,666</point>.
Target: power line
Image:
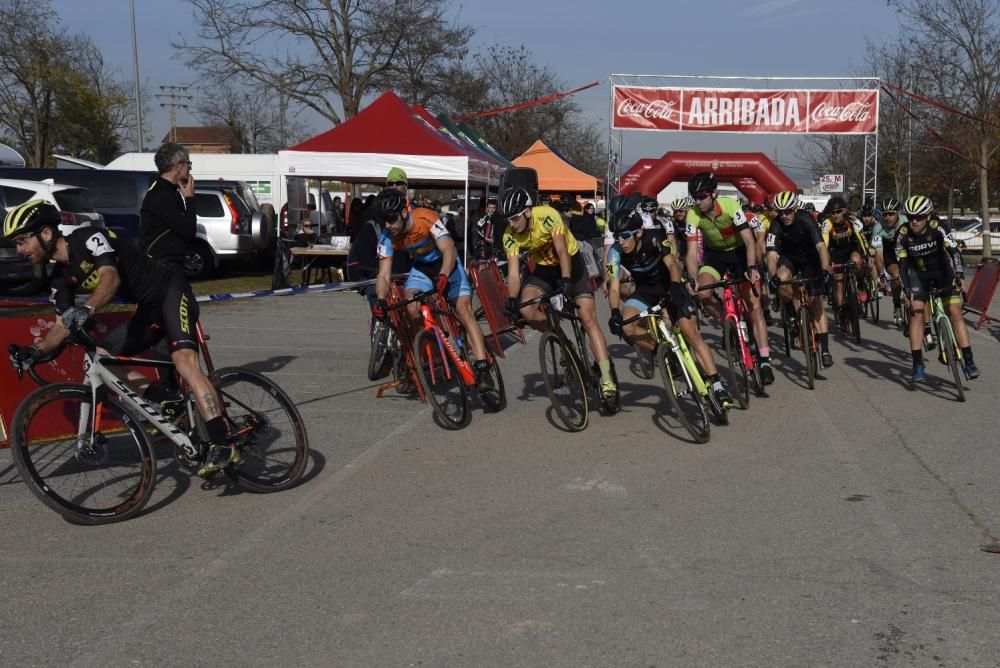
<point>176,97</point>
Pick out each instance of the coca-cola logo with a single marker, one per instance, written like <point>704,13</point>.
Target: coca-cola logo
<point>659,109</point>
<point>855,112</point>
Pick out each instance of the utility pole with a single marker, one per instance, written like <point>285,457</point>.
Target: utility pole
<point>135,89</point>
<point>176,98</point>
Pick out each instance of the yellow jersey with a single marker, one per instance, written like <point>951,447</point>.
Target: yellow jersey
<point>546,223</point>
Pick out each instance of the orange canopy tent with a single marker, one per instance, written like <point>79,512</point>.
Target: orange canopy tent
<point>554,173</point>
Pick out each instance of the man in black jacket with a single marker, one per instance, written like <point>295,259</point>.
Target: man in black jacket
<point>168,221</point>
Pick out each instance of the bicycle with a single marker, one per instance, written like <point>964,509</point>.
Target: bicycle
<point>949,352</point>
<point>739,350</point>
<point>444,364</point>
<point>84,448</point>
<point>806,329</point>
<point>852,304</point>
<point>681,376</point>
<point>872,303</point>
<point>567,366</point>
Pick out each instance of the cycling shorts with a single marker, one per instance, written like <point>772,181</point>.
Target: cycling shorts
<point>717,263</point>
<point>921,282</point>
<point>806,270</point>
<point>646,296</point>
<point>546,277</point>
<point>173,320</point>
<point>841,255</point>
<point>889,253</point>
<point>458,282</point>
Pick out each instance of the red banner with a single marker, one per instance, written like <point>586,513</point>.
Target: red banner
<point>749,111</point>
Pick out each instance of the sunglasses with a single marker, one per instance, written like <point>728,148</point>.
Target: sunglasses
<point>395,183</point>
<point>625,236</point>
<point>918,218</point>
<point>186,162</point>
<point>516,217</point>
<point>700,196</point>
<point>389,218</point>
<point>309,225</point>
<point>838,211</point>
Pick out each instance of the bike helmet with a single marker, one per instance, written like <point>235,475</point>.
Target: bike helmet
<point>682,203</point>
<point>648,205</point>
<point>30,217</point>
<point>809,206</point>
<point>702,182</point>
<point>867,210</point>
<point>836,202</point>
<point>918,205</point>
<point>618,203</point>
<point>890,205</point>
<point>626,222</point>
<point>786,201</point>
<point>389,204</point>
<point>514,201</point>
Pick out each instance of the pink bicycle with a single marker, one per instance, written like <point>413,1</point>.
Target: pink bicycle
<point>740,350</point>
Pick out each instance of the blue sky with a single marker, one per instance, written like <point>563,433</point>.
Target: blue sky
<point>582,41</point>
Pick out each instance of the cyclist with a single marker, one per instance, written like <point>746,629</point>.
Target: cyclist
<point>846,246</point>
<point>649,258</point>
<point>95,260</point>
<point>420,233</point>
<point>795,248</point>
<point>867,218</point>
<point>557,266</point>
<point>884,244</point>
<point>924,264</point>
<point>728,246</point>
<point>678,216</point>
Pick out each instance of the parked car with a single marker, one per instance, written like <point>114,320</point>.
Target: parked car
<point>16,273</point>
<point>227,220</point>
<point>972,238</point>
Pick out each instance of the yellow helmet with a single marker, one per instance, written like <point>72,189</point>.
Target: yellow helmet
<point>787,200</point>
<point>29,217</point>
<point>918,205</point>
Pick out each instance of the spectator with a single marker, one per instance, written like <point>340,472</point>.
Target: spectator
<point>356,219</point>
<point>307,234</point>
<point>584,226</point>
<point>489,233</point>
<point>338,215</point>
<point>168,222</point>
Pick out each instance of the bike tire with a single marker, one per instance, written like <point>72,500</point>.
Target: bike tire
<point>496,400</point>
<point>683,397</point>
<point>442,383</point>
<point>951,350</point>
<point>274,451</point>
<point>854,309</point>
<point>805,341</point>
<point>564,382</point>
<point>121,468</point>
<point>645,364</point>
<point>874,301</point>
<point>379,359</point>
<point>737,370</point>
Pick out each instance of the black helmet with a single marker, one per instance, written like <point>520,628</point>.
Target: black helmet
<point>890,205</point>
<point>514,201</point>
<point>867,209</point>
<point>809,206</point>
<point>836,202</point>
<point>648,205</point>
<point>29,217</point>
<point>618,203</point>
<point>389,204</point>
<point>702,182</point>
<point>625,222</point>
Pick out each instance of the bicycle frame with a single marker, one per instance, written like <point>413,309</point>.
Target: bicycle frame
<point>671,336</point>
<point>735,310</point>
<point>942,323</point>
<point>445,337</point>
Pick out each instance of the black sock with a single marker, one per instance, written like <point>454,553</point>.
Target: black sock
<point>216,429</point>
<point>918,357</point>
<point>713,378</point>
<point>824,341</point>
<point>967,354</point>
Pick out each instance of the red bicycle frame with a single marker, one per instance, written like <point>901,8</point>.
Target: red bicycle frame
<point>735,310</point>
<point>445,335</point>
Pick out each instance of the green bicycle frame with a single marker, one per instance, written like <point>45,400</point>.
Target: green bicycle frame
<point>942,323</point>
<point>675,339</point>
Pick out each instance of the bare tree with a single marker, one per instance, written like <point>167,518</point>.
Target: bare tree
<point>326,55</point>
<point>959,62</point>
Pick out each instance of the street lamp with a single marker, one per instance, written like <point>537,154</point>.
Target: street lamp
<point>135,74</point>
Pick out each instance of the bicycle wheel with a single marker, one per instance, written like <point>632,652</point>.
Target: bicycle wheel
<point>854,309</point>
<point>949,348</point>
<point>379,360</point>
<point>563,382</point>
<point>270,434</point>
<point>495,400</point>
<point>87,476</point>
<point>737,370</point>
<point>874,299</point>
<point>805,343</point>
<point>442,382</point>
<point>683,396</point>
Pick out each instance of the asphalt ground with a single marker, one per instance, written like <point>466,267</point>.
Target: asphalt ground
<point>837,527</point>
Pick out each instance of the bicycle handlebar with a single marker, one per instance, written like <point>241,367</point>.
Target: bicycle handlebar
<point>652,311</point>
<point>727,283</point>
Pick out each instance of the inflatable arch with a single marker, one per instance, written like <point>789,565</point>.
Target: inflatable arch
<point>753,174</point>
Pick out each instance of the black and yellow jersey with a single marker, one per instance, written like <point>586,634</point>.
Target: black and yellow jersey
<point>545,224</point>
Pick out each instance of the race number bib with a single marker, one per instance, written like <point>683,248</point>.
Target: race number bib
<point>98,245</point>
<point>439,229</point>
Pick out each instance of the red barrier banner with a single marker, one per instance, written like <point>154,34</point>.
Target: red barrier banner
<point>67,368</point>
<point>746,111</point>
<point>981,291</point>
